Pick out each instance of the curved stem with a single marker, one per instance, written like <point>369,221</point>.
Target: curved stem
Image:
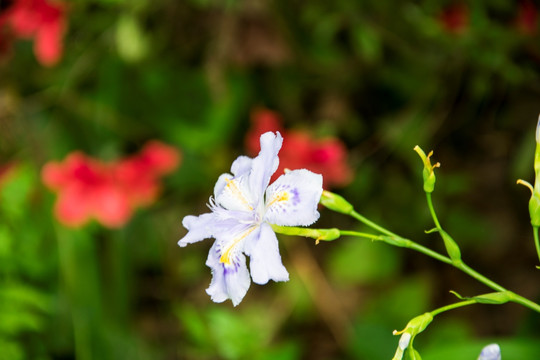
<point>396,240</point>
<point>452,306</point>
<point>536,241</point>
<point>432,211</point>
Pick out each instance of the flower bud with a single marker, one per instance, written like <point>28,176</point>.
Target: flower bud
<point>534,202</point>
<point>413,328</point>
<point>494,298</point>
<point>428,173</point>
<point>317,234</point>
<point>451,246</point>
<point>335,202</point>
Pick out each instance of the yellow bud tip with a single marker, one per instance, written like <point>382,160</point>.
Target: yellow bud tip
<point>395,332</point>
<point>420,152</point>
<point>525,183</point>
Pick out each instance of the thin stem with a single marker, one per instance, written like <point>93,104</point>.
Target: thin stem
<point>371,224</point>
<point>68,269</point>
<point>518,299</point>
<point>536,241</point>
<point>473,273</point>
<point>452,306</point>
<point>432,211</point>
<point>397,240</point>
<point>429,252</point>
<point>359,234</point>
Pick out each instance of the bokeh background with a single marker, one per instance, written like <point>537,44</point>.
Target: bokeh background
<point>355,85</point>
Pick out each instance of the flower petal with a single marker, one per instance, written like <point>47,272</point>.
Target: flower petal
<point>241,166</point>
<point>265,261</point>
<point>229,280</point>
<point>199,228</point>
<point>292,199</point>
<point>490,352</point>
<point>265,164</point>
<point>233,193</point>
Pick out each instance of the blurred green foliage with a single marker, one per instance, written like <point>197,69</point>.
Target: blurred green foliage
<point>380,75</point>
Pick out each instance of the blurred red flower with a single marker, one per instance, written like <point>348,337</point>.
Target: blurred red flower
<point>300,150</point>
<point>108,192</point>
<point>41,20</point>
<point>527,17</point>
<point>455,19</point>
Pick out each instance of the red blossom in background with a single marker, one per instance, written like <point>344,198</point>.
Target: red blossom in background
<point>108,192</point>
<point>41,20</point>
<point>300,150</point>
<point>455,19</point>
<point>527,17</point>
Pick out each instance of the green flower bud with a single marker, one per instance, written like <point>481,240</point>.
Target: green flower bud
<point>335,202</point>
<point>413,328</point>
<point>534,202</point>
<point>451,246</point>
<point>317,234</point>
<point>494,298</point>
<point>428,173</point>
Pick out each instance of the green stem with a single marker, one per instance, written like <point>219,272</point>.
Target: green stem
<point>536,241</point>
<point>432,211</point>
<point>360,234</point>
<point>397,240</point>
<point>473,273</point>
<point>452,306</point>
<point>518,299</point>
<point>69,271</point>
<point>371,224</point>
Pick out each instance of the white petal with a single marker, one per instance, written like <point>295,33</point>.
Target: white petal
<point>229,280</point>
<point>293,198</point>
<point>265,260</point>
<point>490,352</point>
<point>241,166</point>
<point>265,164</point>
<point>233,193</point>
<point>199,228</point>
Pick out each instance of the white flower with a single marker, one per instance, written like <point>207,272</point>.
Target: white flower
<point>243,208</point>
<point>490,352</point>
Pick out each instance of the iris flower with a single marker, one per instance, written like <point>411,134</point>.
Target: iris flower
<point>243,209</point>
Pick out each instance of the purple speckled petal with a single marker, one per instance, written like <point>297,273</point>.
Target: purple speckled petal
<point>293,198</point>
<point>229,280</point>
